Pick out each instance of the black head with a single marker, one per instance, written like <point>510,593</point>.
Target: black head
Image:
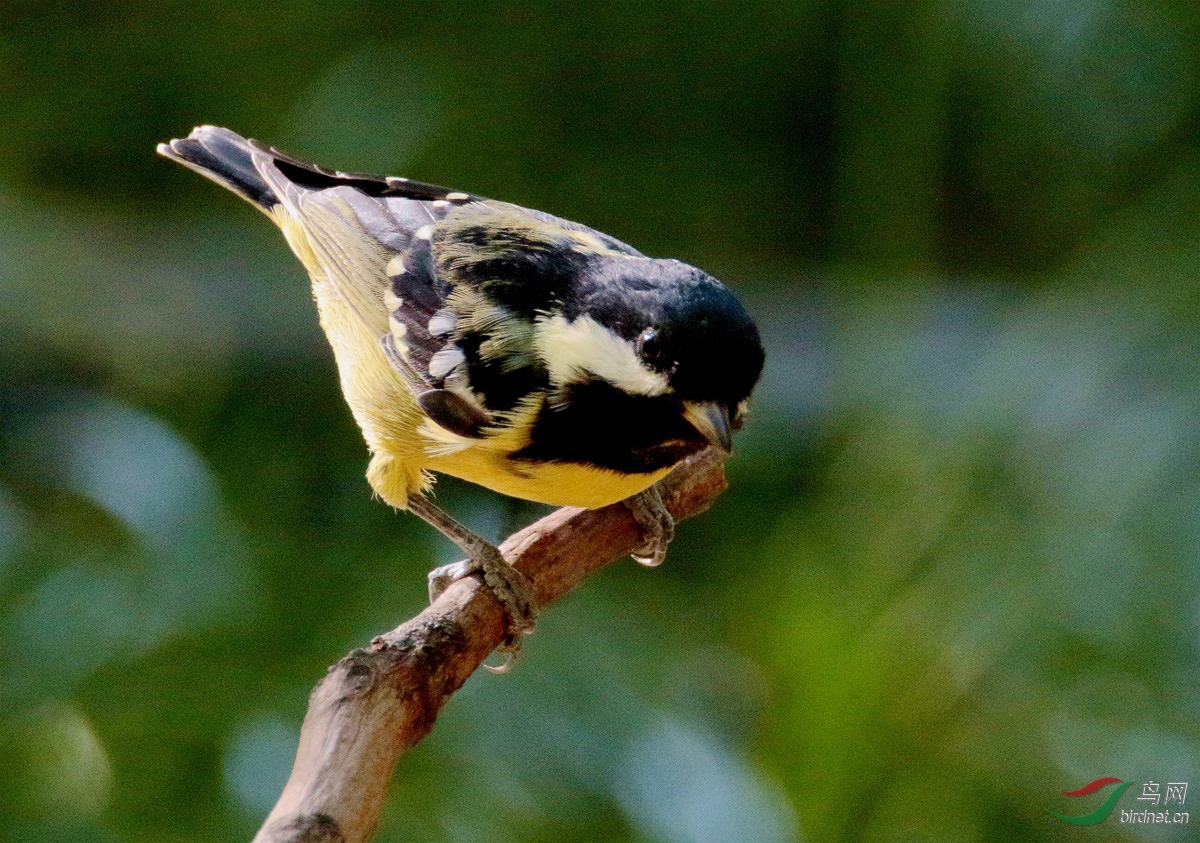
<point>684,325</point>
<point>651,361</point>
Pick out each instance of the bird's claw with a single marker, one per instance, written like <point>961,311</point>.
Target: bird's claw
<point>512,588</point>
<point>657,523</point>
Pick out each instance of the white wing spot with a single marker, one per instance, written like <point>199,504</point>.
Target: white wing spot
<point>425,232</point>
<point>444,362</point>
<point>458,196</point>
<point>440,203</point>
<point>399,329</point>
<point>442,323</point>
<point>396,266</point>
<point>396,181</point>
<point>391,301</point>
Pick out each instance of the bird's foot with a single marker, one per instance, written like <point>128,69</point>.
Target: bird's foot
<point>657,523</point>
<point>513,589</point>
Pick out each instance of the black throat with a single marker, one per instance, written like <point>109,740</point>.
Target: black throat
<point>595,424</point>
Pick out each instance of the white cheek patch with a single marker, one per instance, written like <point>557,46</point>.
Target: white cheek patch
<point>578,351</point>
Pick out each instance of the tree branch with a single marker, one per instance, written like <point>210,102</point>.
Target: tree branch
<point>380,700</point>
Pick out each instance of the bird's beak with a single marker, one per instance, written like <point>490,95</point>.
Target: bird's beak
<point>712,420</point>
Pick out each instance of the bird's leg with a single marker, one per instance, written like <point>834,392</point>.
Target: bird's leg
<point>512,588</point>
<point>657,523</point>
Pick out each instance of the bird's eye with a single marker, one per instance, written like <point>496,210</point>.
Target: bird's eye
<point>648,344</point>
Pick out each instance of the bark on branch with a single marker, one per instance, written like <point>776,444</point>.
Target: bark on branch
<point>380,700</point>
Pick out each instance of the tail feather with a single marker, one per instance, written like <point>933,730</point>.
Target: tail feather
<point>226,158</point>
<point>349,230</point>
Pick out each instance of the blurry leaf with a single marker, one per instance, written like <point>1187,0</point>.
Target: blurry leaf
<point>55,766</point>
<point>679,785</point>
<point>258,761</point>
<point>372,111</point>
<point>13,529</point>
<point>181,569</point>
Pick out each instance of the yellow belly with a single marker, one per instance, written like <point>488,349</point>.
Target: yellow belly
<point>558,484</point>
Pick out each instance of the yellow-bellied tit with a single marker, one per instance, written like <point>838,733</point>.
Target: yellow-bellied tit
<point>519,351</point>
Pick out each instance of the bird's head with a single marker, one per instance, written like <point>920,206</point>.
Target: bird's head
<point>667,331</point>
<point>705,345</point>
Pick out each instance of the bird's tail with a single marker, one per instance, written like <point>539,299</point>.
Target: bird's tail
<point>226,158</point>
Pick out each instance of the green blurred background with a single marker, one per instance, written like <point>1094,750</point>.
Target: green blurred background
<point>956,572</point>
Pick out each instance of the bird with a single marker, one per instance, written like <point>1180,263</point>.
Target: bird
<point>525,353</point>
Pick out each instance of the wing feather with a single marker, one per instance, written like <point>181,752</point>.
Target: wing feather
<point>451,285</point>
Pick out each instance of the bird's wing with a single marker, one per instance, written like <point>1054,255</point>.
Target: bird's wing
<point>370,238</point>
<point>505,268</point>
